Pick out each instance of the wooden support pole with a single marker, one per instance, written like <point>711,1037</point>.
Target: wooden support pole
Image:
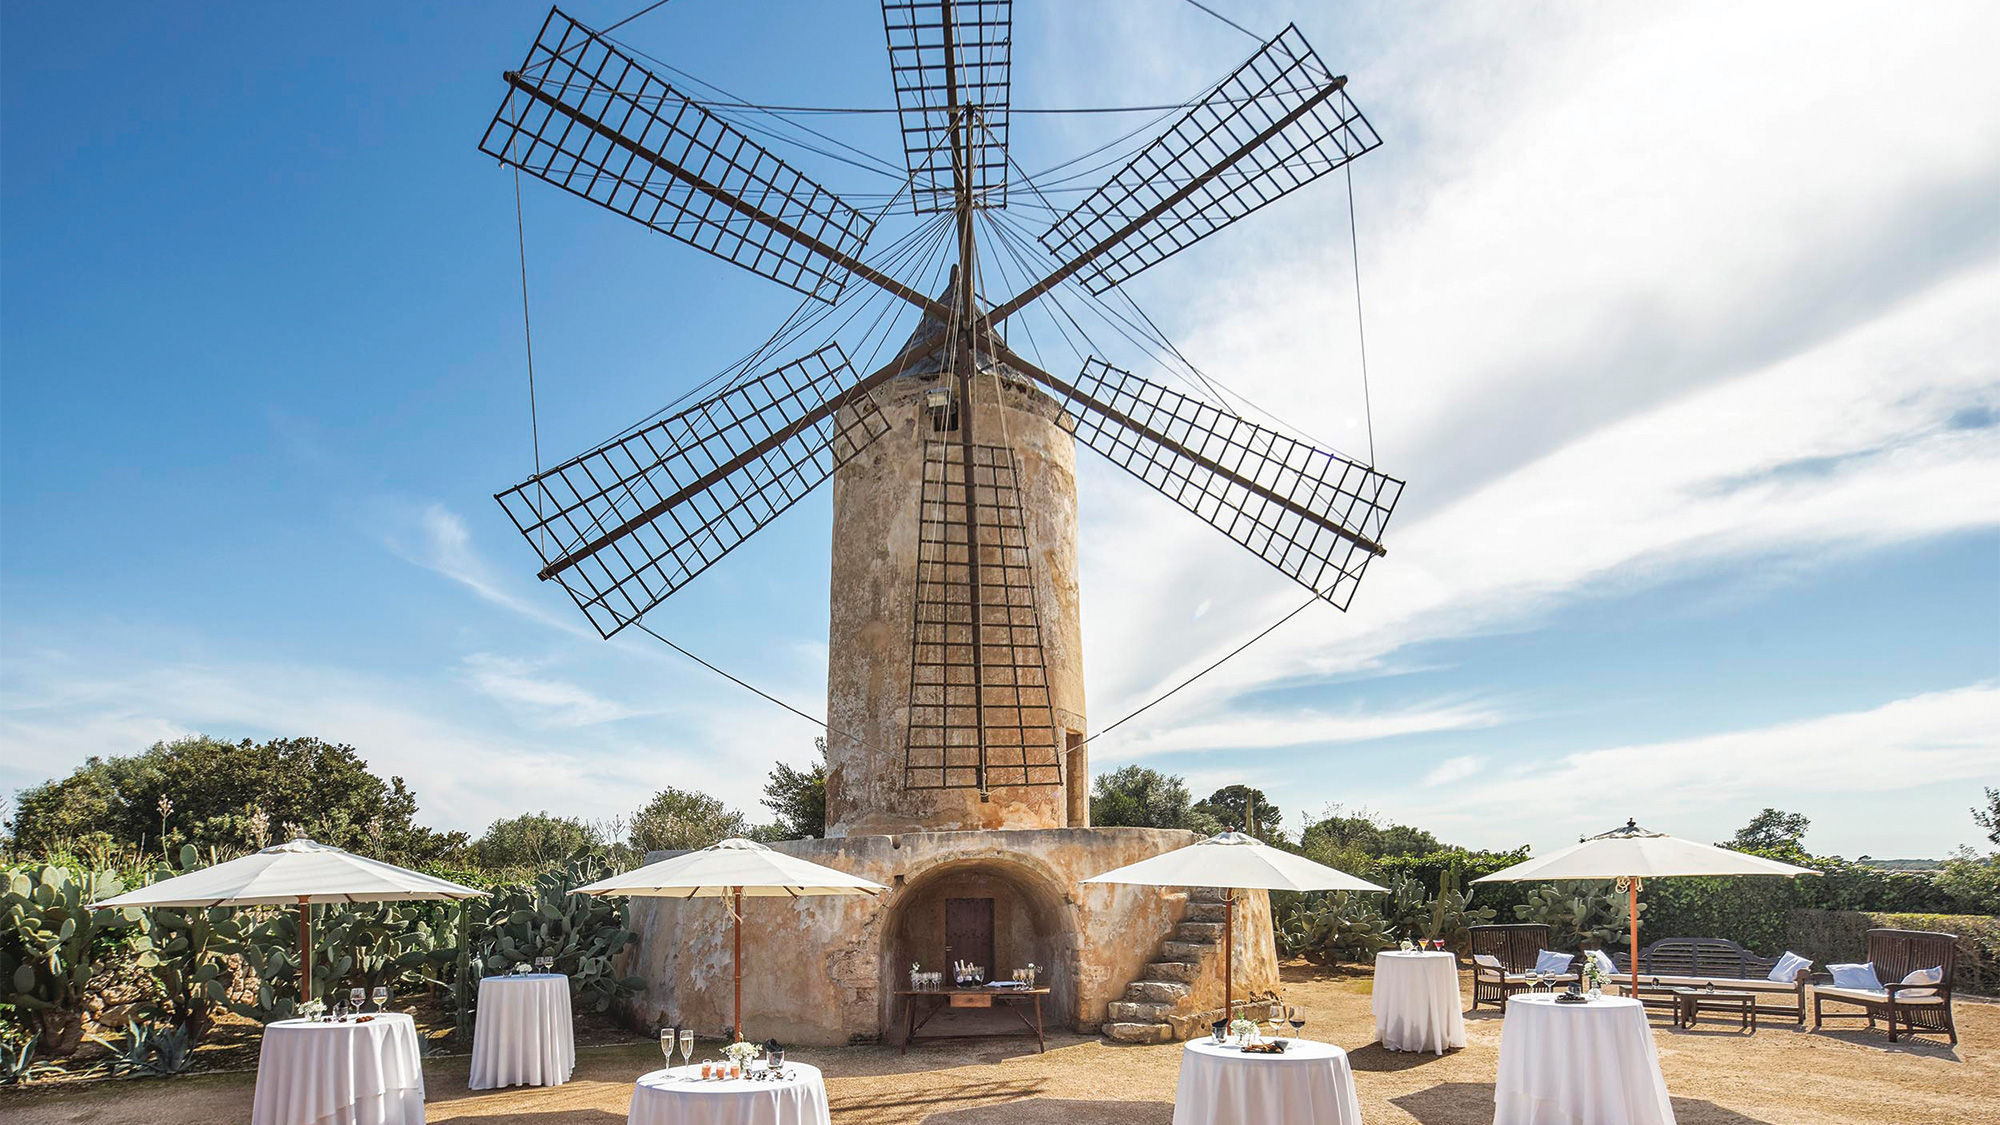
<point>736,967</point>
<point>1634,903</point>
<point>305,949</point>
<point>1228,954</point>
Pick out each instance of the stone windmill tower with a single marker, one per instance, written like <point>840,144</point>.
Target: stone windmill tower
<point>956,716</point>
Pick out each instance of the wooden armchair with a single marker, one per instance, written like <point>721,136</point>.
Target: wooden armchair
<point>1501,958</point>
<point>1916,1007</point>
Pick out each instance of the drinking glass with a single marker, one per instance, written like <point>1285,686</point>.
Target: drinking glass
<point>687,1045</point>
<point>381,997</point>
<point>355,998</point>
<point>1296,1018</point>
<point>668,1036</point>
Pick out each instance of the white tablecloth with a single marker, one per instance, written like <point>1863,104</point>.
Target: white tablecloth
<point>1578,1064</point>
<point>1310,1084</point>
<point>523,1035</point>
<point>340,1073</point>
<point>1416,1002</point>
<point>682,1097</point>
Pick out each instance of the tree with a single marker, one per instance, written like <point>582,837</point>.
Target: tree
<point>1230,806</point>
<point>1137,797</point>
<point>1363,833</point>
<point>1990,818</point>
<point>682,819</point>
<point>1769,831</point>
<point>233,797</point>
<point>798,798</point>
<point>532,840</point>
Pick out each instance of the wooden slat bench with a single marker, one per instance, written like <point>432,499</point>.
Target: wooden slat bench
<point>1719,963</point>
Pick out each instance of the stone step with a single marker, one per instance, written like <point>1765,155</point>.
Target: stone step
<point>1199,931</point>
<point>1198,911</point>
<point>1140,1032</point>
<point>1171,950</point>
<point>1172,970</point>
<point>1156,991</point>
<point>1139,1011</point>
<point>1206,894</point>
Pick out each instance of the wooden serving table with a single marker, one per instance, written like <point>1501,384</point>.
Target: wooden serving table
<point>1694,1000</point>
<point>943,998</point>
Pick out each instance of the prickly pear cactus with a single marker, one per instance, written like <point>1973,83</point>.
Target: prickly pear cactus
<point>51,943</point>
<point>187,951</point>
<point>547,919</point>
<point>1334,928</point>
<point>1579,915</point>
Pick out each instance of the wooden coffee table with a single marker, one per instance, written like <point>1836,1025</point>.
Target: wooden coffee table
<point>1693,1001</point>
<point>939,999</point>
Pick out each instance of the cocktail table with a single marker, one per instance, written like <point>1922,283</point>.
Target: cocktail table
<point>1692,1001</point>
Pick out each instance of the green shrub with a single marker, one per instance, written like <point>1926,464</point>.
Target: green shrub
<point>51,944</point>
<point>546,918</point>
<point>1330,929</point>
<point>1581,915</point>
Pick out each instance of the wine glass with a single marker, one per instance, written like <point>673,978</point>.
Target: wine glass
<point>381,997</point>
<point>355,998</point>
<point>1296,1018</point>
<point>1534,980</point>
<point>668,1037</point>
<point>687,1045</point>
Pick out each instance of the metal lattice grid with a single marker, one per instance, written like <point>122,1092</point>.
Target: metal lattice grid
<point>978,75</point>
<point>1299,508</point>
<point>985,674</point>
<point>586,117</point>
<point>635,519</point>
<point>1280,121</point>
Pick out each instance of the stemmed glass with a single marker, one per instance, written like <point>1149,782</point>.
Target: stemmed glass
<point>355,998</point>
<point>381,997</point>
<point>687,1045</point>
<point>1296,1018</point>
<point>1534,980</point>
<point>668,1036</point>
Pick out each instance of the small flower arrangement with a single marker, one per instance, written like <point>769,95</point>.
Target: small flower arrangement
<point>742,1051</point>
<point>1593,974</point>
<point>311,1009</point>
<point>1244,1030</point>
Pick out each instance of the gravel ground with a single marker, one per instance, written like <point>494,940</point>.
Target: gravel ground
<point>1778,1076</point>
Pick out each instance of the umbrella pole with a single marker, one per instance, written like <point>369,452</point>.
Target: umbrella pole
<point>1228,954</point>
<point>1634,903</point>
<point>736,967</point>
<point>305,950</point>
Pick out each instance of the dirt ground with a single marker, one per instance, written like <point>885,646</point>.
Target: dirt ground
<point>1718,1076</point>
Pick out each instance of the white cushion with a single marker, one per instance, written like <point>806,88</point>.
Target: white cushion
<point>1873,996</point>
<point>1857,977</point>
<point>1488,961</point>
<point>1748,984</point>
<point>1933,975</point>
<point>1552,961</point>
<point>1788,966</point>
<point>1603,962</point>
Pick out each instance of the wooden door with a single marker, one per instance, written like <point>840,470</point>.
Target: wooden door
<point>968,932</point>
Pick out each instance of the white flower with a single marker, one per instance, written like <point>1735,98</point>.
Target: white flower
<point>742,1051</point>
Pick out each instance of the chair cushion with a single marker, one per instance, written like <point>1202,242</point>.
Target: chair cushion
<point>1552,961</point>
<point>1874,996</point>
<point>1859,977</point>
<point>1934,975</point>
<point>1488,961</point>
<point>1788,966</point>
<point>1727,984</point>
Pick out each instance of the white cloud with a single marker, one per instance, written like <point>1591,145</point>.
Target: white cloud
<point>520,685</point>
<point>1453,770</point>
<point>1702,787</point>
<point>1268,729</point>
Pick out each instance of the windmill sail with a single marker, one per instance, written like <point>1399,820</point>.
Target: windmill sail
<point>948,57</point>
<point>1279,122</point>
<point>628,523</point>
<point>1313,514</point>
<point>585,116</point>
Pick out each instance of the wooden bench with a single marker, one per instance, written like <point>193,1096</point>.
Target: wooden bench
<point>1501,958</point>
<point>1671,963</point>
<point>1896,954</point>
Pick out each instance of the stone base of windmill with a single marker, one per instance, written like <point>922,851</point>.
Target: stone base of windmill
<point>1140,964</point>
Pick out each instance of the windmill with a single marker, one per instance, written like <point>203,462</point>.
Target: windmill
<point>627,524</point>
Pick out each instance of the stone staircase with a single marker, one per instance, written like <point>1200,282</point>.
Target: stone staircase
<point>1158,1007</point>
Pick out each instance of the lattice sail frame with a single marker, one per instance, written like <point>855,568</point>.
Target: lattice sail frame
<point>660,467</point>
<point>981,715</point>
<point>982,60</point>
<point>1353,495</point>
<point>1278,122</point>
<point>585,74</point>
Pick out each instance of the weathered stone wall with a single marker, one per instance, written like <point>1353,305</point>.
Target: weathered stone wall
<point>876,511</point>
<point>823,971</point>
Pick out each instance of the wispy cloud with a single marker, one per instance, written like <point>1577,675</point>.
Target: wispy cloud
<point>524,687</point>
<point>1453,769</point>
<point>432,536</point>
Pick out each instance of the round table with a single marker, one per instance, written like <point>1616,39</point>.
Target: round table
<point>523,1035</point>
<point>1310,1084</point>
<point>353,1073</point>
<point>681,1096</point>
<point>1580,1063</point>
<point>1416,1002</point>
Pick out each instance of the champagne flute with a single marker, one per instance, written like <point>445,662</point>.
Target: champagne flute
<point>687,1045</point>
<point>381,997</point>
<point>668,1036</point>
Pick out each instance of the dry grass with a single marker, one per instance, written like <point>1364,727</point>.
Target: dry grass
<point>1778,1076</point>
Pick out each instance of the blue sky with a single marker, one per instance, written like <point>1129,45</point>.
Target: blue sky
<point>1683,339</point>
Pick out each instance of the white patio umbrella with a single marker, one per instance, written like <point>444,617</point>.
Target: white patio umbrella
<point>301,872</point>
<point>1630,855</point>
<point>1234,861</point>
<point>734,869</point>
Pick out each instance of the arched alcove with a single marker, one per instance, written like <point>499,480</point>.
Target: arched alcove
<point>1033,921</point>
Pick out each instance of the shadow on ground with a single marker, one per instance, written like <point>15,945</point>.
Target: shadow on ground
<point>1059,1111</point>
<point>1471,1103</point>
